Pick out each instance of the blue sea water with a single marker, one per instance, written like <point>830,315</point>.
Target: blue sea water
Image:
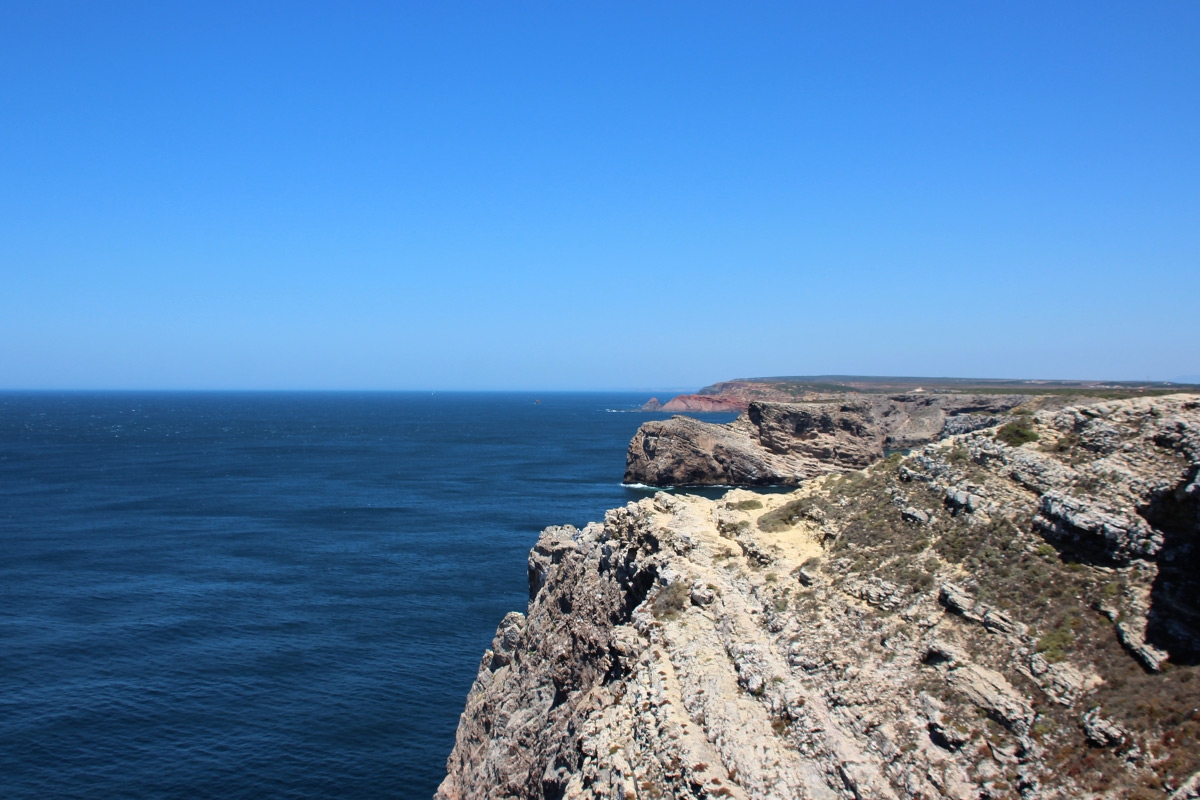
<point>270,595</point>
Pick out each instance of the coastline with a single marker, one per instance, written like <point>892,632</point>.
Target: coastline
<point>718,644</point>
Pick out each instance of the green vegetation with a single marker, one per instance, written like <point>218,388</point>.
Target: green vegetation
<point>1053,645</point>
<point>784,517</point>
<point>746,505</point>
<point>1018,432</point>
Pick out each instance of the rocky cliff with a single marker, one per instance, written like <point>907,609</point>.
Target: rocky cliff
<point>703,403</point>
<point>1011,612</point>
<point>787,443</point>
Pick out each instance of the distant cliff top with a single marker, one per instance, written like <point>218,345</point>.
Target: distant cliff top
<point>738,394</point>
<point>782,389</point>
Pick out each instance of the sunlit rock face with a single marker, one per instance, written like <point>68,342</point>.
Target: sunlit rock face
<point>784,444</point>
<point>973,620</point>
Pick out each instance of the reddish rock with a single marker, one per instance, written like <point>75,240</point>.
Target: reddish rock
<point>704,402</point>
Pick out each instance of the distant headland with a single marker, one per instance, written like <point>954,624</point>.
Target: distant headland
<point>737,394</point>
<point>792,429</point>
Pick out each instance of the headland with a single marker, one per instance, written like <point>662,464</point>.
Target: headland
<point>1007,610</point>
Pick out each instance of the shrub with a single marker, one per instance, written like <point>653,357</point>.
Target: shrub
<point>1017,433</point>
<point>1054,644</point>
<point>784,517</point>
<point>672,600</point>
<point>746,505</point>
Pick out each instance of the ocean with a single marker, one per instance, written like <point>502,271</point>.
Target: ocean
<point>271,595</point>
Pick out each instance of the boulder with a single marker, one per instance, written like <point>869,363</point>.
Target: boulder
<point>1102,732</point>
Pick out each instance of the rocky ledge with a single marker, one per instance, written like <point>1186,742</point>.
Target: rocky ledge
<point>787,443</point>
<point>974,620</point>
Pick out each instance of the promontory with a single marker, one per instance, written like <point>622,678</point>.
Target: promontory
<point>1006,610</point>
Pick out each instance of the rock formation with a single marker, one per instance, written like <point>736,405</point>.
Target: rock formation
<point>974,620</point>
<point>787,443</point>
<point>704,403</point>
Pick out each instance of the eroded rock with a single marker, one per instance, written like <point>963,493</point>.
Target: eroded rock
<point>826,644</point>
<point>775,443</point>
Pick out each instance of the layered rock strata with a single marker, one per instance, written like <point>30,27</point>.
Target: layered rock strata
<point>933,626</point>
<point>704,403</point>
<point>787,443</point>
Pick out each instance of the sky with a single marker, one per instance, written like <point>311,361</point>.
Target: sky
<point>595,195</point>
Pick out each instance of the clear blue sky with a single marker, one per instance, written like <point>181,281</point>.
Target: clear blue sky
<point>504,195</point>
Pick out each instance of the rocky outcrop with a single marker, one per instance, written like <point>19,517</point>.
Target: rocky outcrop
<point>909,420</point>
<point>863,636</point>
<point>701,403</point>
<point>652,405</point>
<point>772,443</point>
<point>787,443</point>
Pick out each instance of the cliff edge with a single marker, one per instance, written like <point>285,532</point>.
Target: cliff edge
<point>1011,612</point>
<point>784,444</point>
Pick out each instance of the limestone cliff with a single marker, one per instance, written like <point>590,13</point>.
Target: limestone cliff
<point>786,443</point>
<point>1011,612</point>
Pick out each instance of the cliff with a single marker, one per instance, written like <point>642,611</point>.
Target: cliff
<point>811,387</point>
<point>1011,612</point>
<point>787,443</point>
<point>703,403</point>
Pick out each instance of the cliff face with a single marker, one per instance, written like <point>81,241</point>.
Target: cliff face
<point>704,403</point>
<point>978,619</point>
<point>786,443</point>
<point>772,443</point>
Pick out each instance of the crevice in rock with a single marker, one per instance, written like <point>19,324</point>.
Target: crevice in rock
<point>1174,617</point>
<point>553,788</point>
<point>638,585</point>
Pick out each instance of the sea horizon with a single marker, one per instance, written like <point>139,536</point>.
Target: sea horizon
<point>215,594</point>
